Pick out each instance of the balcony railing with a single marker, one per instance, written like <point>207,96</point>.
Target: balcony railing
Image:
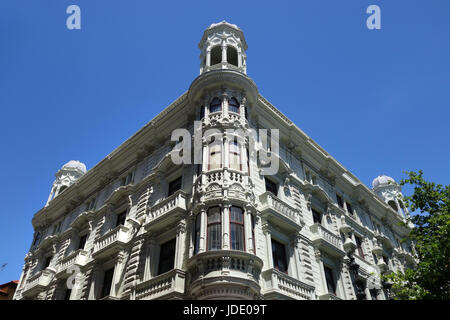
<point>111,240</point>
<point>279,283</point>
<point>38,281</point>
<point>270,203</point>
<point>167,210</point>
<point>327,240</point>
<point>176,201</point>
<point>219,263</point>
<point>78,258</point>
<point>164,285</point>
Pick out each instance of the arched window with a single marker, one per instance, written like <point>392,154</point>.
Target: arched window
<point>233,105</point>
<point>237,229</point>
<point>216,55</point>
<point>393,205</point>
<point>214,229</point>
<point>61,189</point>
<point>215,156</point>
<point>235,155</point>
<point>232,56</point>
<point>215,105</point>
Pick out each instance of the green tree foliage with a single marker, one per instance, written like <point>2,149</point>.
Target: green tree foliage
<point>431,236</point>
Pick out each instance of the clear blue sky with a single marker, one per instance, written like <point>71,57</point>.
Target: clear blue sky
<point>376,100</point>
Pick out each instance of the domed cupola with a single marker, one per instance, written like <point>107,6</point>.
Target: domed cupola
<point>66,176</point>
<point>390,192</point>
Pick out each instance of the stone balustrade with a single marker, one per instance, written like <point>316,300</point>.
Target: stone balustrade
<point>162,286</point>
<point>277,283</point>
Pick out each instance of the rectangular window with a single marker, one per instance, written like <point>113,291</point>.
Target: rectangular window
<point>329,277</point>
<point>271,187</point>
<point>82,242</point>
<point>174,186</point>
<point>317,216</point>
<point>279,256</point>
<point>339,201</point>
<point>349,208</point>
<point>47,261</point>
<point>67,294</point>
<point>127,179</point>
<point>374,294</point>
<point>121,218</point>
<point>215,157</point>
<point>167,256</point>
<point>235,156</point>
<point>107,283</point>
<point>198,220</point>
<point>253,233</point>
<point>237,228</point>
<point>91,204</point>
<point>214,229</point>
<point>359,246</point>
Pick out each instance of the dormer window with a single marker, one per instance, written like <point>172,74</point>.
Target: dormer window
<point>392,204</point>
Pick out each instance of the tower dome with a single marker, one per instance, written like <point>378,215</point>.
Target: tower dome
<point>76,165</point>
<point>382,180</point>
<point>66,176</point>
<point>390,192</point>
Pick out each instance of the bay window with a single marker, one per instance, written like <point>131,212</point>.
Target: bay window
<point>235,156</point>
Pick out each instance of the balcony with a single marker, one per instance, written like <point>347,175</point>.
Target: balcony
<point>167,211</point>
<point>75,258</point>
<point>326,240</point>
<point>280,212</point>
<point>165,286</point>
<point>111,242</point>
<point>278,285</point>
<point>224,273</point>
<point>38,282</point>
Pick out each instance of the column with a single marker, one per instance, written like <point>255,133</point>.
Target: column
<point>224,53</point>
<point>248,231</point>
<point>226,226</point>
<point>266,231</point>
<point>179,246</point>
<point>203,221</point>
<point>208,59</point>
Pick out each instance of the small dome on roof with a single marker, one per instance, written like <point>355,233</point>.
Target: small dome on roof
<point>75,164</point>
<point>382,180</point>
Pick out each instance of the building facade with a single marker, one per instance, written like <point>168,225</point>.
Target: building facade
<point>140,225</point>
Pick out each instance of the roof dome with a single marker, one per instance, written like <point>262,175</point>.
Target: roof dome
<point>75,164</point>
<point>382,180</point>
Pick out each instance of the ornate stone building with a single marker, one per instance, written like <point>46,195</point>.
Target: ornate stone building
<point>139,226</point>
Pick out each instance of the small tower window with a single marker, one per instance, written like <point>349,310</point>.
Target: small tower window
<point>61,190</point>
<point>216,55</point>
<point>233,105</point>
<point>393,205</point>
<point>215,106</point>
<point>232,56</point>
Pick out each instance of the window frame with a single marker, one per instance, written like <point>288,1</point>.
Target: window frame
<point>209,225</point>
<point>238,225</point>
<point>282,249</point>
<point>168,253</point>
